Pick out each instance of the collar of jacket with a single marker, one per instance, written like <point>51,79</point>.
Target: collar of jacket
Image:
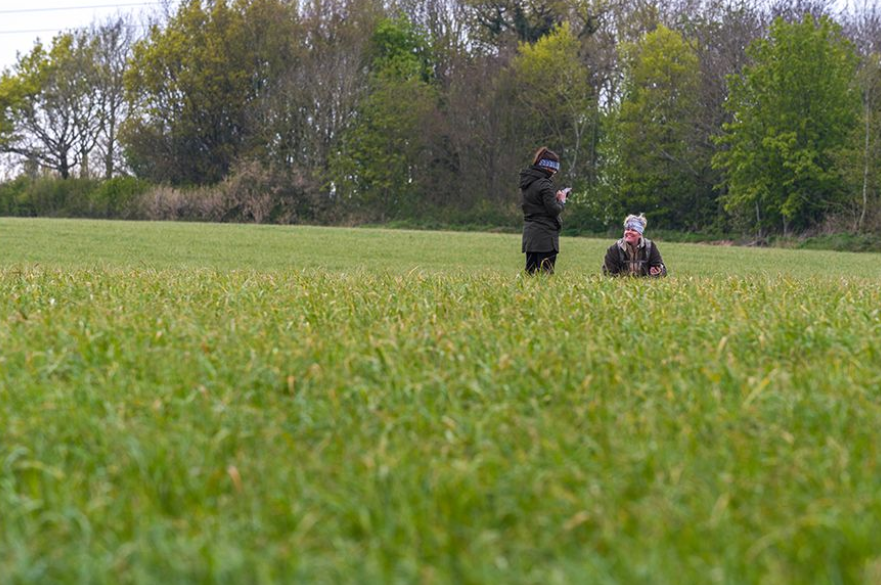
<point>623,244</point>
<point>546,172</point>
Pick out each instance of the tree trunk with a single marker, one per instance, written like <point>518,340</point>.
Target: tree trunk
<point>866,154</point>
<point>758,222</point>
<point>111,144</point>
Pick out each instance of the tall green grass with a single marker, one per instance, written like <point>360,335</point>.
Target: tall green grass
<point>400,418</point>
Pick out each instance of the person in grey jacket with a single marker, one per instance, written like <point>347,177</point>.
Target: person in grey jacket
<point>634,254</point>
<point>542,205</point>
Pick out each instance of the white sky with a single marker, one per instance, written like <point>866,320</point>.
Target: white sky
<point>22,22</point>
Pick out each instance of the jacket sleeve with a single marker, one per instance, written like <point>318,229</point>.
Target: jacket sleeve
<point>549,200</point>
<point>611,266</point>
<point>656,260</point>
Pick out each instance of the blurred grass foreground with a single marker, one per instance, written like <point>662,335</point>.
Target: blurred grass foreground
<point>236,404</point>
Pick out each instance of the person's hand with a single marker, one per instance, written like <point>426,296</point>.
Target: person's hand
<point>561,195</point>
<point>654,270</point>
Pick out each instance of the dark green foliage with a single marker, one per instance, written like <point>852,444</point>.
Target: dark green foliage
<point>659,164</point>
<point>195,85</point>
<point>12,199</point>
<point>843,242</point>
<point>50,197</point>
<point>587,213</point>
<point>399,48</point>
<point>793,110</point>
<point>115,198</point>
<point>385,162</point>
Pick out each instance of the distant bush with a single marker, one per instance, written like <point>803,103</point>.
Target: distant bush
<point>260,194</point>
<point>61,198</point>
<point>842,242</point>
<point>52,197</point>
<point>163,203</point>
<point>586,214</point>
<point>13,198</point>
<point>483,214</point>
<point>254,193</point>
<point>117,197</point>
<point>483,217</point>
<point>49,197</point>
<point>251,194</point>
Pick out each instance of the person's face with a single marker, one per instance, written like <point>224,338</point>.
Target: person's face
<point>631,236</point>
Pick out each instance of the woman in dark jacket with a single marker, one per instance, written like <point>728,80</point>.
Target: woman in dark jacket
<point>633,254</point>
<point>542,205</point>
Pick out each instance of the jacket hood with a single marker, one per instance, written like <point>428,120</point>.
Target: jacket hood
<point>530,175</point>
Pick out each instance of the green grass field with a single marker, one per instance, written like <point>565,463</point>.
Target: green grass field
<point>188,403</point>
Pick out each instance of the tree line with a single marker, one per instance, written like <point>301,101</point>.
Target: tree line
<point>706,115</point>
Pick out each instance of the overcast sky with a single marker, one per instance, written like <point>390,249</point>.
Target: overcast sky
<point>22,22</point>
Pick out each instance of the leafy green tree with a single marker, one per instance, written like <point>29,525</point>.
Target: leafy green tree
<point>384,157</point>
<point>49,111</point>
<point>860,159</point>
<point>870,135</point>
<point>193,86</point>
<point>793,109</point>
<point>656,162</point>
<point>12,92</point>
<point>556,98</point>
<point>111,43</point>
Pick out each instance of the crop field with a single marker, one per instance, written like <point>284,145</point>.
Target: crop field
<point>193,403</point>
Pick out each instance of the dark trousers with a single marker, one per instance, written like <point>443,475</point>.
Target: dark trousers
<point>540,262</point>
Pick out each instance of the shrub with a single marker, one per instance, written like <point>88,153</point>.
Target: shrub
<point>52,197</point>
<point>14,199</point>
<point>117,197</point>
<point>164,203</point>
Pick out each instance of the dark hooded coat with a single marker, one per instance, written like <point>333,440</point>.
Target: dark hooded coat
<point>621,260</point>
<point>541,211</point>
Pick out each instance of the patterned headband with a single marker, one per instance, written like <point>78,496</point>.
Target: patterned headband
<point>635,226</point>
<point>551,164</point>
